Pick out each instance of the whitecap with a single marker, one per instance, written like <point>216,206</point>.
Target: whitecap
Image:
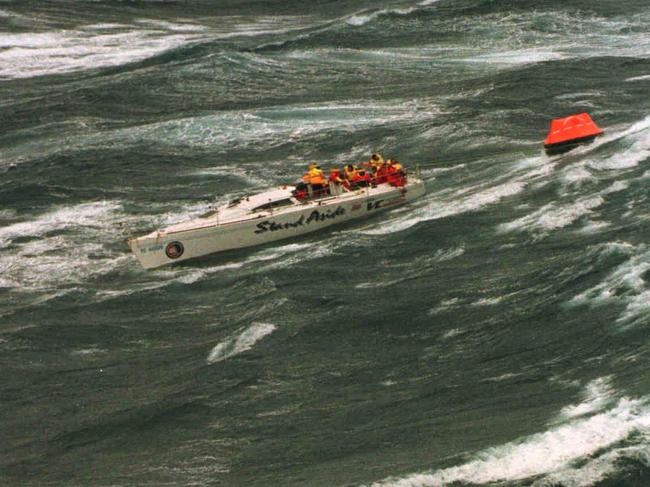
<point>88,351</point>
<point>581,94</point>
<point>272,127</point>
<point>608,249</point>
<point>83,214</point>
<point>625,285</point>
<point>444,305</point>
<point>594,226</point>
<point>598,394</point>
<point>36,54</point>
<point>442,255</point>
<point>549,455</point>
<point>103,45</point>
<point>436,208</point>
<point>639,134</point>
<point>56,263</point>
<point>639,78</point>
<point>577,175</point>
<point>488,301</point>
<point>436,170</point>
<point>451,333</point>
<point>597,469</point>
<point>518,57</point>
<point>552,216</point>
<point>173,26</point>
<point>239,343</point>
<point>360,19</point>
<point>105,26</point>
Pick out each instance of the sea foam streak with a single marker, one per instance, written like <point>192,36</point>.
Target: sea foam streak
<point>551,216</point>
<point>597,395</point>
<point>272,127</point>
<point>551,454</point>
<point>24,55</point>
<point>84,214</point>
<point>240,343</point>
<point>37,54</point>
<point>60,249</point>
<point>362,19</point>
<point>439,209</point>
<point>625,285</point>
<point>256,128</point>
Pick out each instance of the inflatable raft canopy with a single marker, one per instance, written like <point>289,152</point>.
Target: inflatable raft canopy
<point>567,133</point>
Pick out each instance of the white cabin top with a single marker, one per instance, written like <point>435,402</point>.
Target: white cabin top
<point>243,208</point>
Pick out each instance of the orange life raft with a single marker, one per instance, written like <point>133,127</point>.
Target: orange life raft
<point>567,133</point>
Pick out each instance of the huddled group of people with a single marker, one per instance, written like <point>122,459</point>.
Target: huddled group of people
<point>375,171</point>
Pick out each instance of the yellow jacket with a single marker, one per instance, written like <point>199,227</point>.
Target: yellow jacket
<point>316,176</point>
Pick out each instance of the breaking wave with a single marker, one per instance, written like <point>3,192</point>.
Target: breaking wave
<point>624,286</point>
<point>84,214</point>
<point>556,455</point>
<point>242,342</point>
<point>437,208</point>
<point>101,45</point>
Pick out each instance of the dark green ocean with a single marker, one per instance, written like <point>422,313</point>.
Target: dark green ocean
<point>493,333</point>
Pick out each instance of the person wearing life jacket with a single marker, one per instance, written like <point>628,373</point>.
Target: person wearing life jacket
<point>336,181</point>
<point>316,179</point>
<point>381,176</point>
<point>301,191</point>
<point>307,176</point>
<point>316,175</point>
<point>376,160</point>
<point>395,174</point>
<point>349,172</point>
<point>361,178</point>
<point>337,178</point>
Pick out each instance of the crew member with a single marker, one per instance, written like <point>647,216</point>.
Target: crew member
<point>349,171</point>
<point>307,176</point>
<point>316,178</point>
<point>373,163</point>
<point>301,192</point>
<point>335,176</point>
<point>376,160</point>
<point>382,171</point>
<point>336,180</point>
<point>396,176</point>
<point>361,178</point>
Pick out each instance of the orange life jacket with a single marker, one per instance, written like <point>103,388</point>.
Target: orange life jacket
<point>316,176</point>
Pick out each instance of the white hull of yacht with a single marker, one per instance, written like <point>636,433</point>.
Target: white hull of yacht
<point>209,235</point>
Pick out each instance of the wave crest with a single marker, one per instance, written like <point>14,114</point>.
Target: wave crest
<point>237,344</point>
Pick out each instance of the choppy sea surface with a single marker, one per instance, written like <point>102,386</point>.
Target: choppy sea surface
<point>495,332</point>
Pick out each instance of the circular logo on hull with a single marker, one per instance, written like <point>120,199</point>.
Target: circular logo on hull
<point>174,250</point>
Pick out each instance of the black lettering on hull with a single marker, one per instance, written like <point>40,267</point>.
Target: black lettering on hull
<point>314,216</point>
